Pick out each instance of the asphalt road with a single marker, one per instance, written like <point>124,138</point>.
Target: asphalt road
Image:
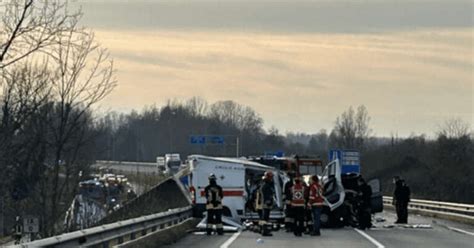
<point>440,234</point>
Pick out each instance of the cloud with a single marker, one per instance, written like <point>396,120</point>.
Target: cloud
<point>328,16</point>
<point>299,81</point>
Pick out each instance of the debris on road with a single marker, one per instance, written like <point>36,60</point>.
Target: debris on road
<point>379,219</point>
<point>418,226</point>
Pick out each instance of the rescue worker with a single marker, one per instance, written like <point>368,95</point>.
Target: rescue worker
<point>267,195</point>
<point>308,219</point>
<point>289,217</point>
<point>298,198</point>
<point>316,202</point>
<point>401,198</point>
<point>364,216</point>
<point>258,200</point>
<point>214,197</point>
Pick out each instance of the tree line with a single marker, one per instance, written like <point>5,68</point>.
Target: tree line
<point>438,168</point>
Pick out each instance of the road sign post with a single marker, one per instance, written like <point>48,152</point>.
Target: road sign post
<point>30,224</point>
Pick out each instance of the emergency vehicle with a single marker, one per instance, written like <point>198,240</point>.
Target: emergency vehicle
<point>298,165</point>
<point>237,177</point>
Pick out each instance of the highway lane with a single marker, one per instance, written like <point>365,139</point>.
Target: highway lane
<point>439,235</point>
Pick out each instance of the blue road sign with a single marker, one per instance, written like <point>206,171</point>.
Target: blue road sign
<point>216,140</point>
<point>349,159</point>
<point>195,139</point>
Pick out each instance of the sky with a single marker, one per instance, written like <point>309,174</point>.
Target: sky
<point>299,64</point>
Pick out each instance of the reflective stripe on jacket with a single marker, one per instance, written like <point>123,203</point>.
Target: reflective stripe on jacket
<point>214,197</point>
<point>315,195</point>
<point>298,192</point>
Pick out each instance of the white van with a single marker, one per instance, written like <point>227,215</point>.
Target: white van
<point>235,176</point>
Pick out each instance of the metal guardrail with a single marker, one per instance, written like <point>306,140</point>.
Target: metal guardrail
<point>115,233</point>
<point>442,207</point>
<point>106,162</point>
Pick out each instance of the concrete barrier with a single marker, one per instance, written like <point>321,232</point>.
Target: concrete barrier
<point>166,195</point>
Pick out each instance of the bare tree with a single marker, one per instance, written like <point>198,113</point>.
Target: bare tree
<point>85,77</point>
<point>197,106</point>
<point>352,128</point>
<point>453,128</point>
<point>29,26</point>
<point>49,104</point>
<point>25,90</point>
<point>231,113</point>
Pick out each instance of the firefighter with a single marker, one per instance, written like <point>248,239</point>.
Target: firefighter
<point>267,192</point>
<point>289,217</point>
<point>214,197</point>
<point>364,209</point>
<point>401,197</point>
<point>259,204</point>
<point>315,202</point>
<point>298,195</point>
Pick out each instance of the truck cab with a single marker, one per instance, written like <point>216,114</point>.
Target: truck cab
<point>173,163</point>
<point>340,193</point>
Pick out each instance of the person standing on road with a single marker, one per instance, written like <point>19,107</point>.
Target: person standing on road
<point>364,213</point>
<point>308,216</point>
<point>214,196</point>
<point>315,202</point>
<point>267,192</point>
<point>298,201</point>
<point>289,217</point>
<point>401,198</point>
<point>259,204</point>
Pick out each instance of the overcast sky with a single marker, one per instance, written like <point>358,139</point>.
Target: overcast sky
<point>299,64</point>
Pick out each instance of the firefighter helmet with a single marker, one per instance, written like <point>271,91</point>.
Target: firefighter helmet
<point>268,174</point>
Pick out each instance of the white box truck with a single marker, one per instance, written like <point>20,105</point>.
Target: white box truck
<point>236,177</point>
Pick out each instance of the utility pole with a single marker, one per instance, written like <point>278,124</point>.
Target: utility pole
<point>237,147</point>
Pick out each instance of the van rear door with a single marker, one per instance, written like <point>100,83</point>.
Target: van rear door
<point>376,201</point>
<point>333,190</point>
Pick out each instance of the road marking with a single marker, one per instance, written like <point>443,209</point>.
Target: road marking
<point>460,231</point>
<point>231,239</point>
<point>375,242</point>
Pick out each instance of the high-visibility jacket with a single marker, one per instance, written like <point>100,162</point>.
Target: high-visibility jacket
<point>298,193</point>
<point>267,192</point>
<point>214,195</point>
<point>258,198</point>
<point>315,195</point>
<point>287,192</point>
